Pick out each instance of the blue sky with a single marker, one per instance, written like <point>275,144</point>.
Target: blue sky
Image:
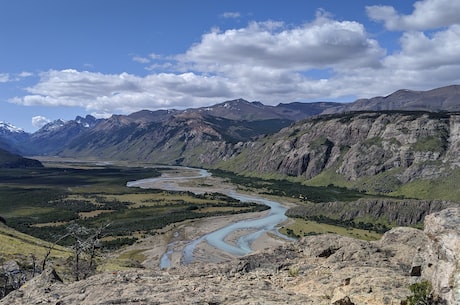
<point>63,58</point>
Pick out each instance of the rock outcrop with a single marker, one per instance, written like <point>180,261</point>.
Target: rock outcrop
<point>403,146</point>
<point>322,270</point>
<point>402,212</point>
<point>440,262</point>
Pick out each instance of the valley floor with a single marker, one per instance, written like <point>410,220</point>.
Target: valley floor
<point>175,237</point>
<point>149,251</point>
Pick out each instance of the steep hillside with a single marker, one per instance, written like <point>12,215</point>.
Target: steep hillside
<point>9,160</point>
<point>166,136</point>
<point>242,110</point>
<point>376,151</point>
<point>12,137</point>
<point>52,137</point>
<point>17,245</point>
<point>177,138</point>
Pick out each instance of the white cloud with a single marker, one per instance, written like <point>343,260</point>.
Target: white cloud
<point>422,52</point>
<point>7,77</point>
<point>320,44</point>
<point>141,60</point>
<point>427,14</point>
<point>266,61</point>
<point>40,121</point>
<point>25,74</point>
<point>4,77</point>
<point>231,15</point>
<point>424,62</point>
<point>109,93</point>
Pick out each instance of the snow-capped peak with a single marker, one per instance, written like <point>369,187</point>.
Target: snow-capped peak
<point>53,125</point>
<point>86,122</point>
<point>10,127</point>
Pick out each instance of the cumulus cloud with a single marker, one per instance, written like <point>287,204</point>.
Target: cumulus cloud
<point>267,61</point>
<point>40,121</point>
<point>427,14</point>
<point>422,52</point>
<point>320,44</point>
<point>264,61</point>
<point>121,92</point>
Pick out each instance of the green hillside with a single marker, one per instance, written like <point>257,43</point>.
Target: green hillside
<point>20,246</point>
<point>9,160</point>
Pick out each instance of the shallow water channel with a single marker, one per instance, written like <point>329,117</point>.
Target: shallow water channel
<point>252,228</point>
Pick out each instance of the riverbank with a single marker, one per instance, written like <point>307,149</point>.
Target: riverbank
<point>152,248</point>
<point>214,239</point>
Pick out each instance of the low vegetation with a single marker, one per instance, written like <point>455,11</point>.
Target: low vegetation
<point>301,227</point>
<point>421,294</point>
<point>292,189</point>
<point>44,202</point>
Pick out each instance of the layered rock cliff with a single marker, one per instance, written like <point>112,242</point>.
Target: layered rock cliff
<point>321,270</point>
<point>401,212</point>
<point>407,145</point>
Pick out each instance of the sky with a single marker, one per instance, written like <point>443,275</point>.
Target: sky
<point>63,58</point>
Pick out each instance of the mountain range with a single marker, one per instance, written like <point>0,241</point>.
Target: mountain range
<point>142,134</point>
<point>396,140</point>
<point>444,99</point>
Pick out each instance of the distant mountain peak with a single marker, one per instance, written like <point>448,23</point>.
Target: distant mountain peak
<point>53,125</point>
<point>439,99</point>
<point>6,127</point>
<point>86,122</point>
<point>233,103</point>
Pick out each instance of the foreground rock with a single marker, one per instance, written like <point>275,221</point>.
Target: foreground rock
<point>324,269</point>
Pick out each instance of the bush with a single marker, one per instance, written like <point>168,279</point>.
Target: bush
<point>421,294</point>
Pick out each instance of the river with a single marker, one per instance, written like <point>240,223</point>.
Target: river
<point>249,229</point>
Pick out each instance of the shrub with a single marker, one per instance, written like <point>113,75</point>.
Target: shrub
<point>421,294</point>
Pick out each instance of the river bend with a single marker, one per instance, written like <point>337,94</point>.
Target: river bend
<point>249,229</point>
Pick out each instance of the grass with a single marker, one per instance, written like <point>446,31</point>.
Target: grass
<point>16,244</point>
<point>433,143</point>
<point>443,188</point>
<point>329,177</point>
<point>301,227</point>
<point>29,211</point>
<point>292,189</point>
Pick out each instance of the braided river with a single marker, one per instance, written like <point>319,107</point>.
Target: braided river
<point>249,229</point>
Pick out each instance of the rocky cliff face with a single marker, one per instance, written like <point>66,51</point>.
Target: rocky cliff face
<point>402,212</point>
<point>410,145</point>
<point>442,229</point>
<point>321,270</point>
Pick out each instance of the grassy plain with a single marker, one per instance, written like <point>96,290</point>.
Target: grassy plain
<point>300,227</point>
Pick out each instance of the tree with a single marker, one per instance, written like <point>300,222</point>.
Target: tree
<point>85,243</point>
